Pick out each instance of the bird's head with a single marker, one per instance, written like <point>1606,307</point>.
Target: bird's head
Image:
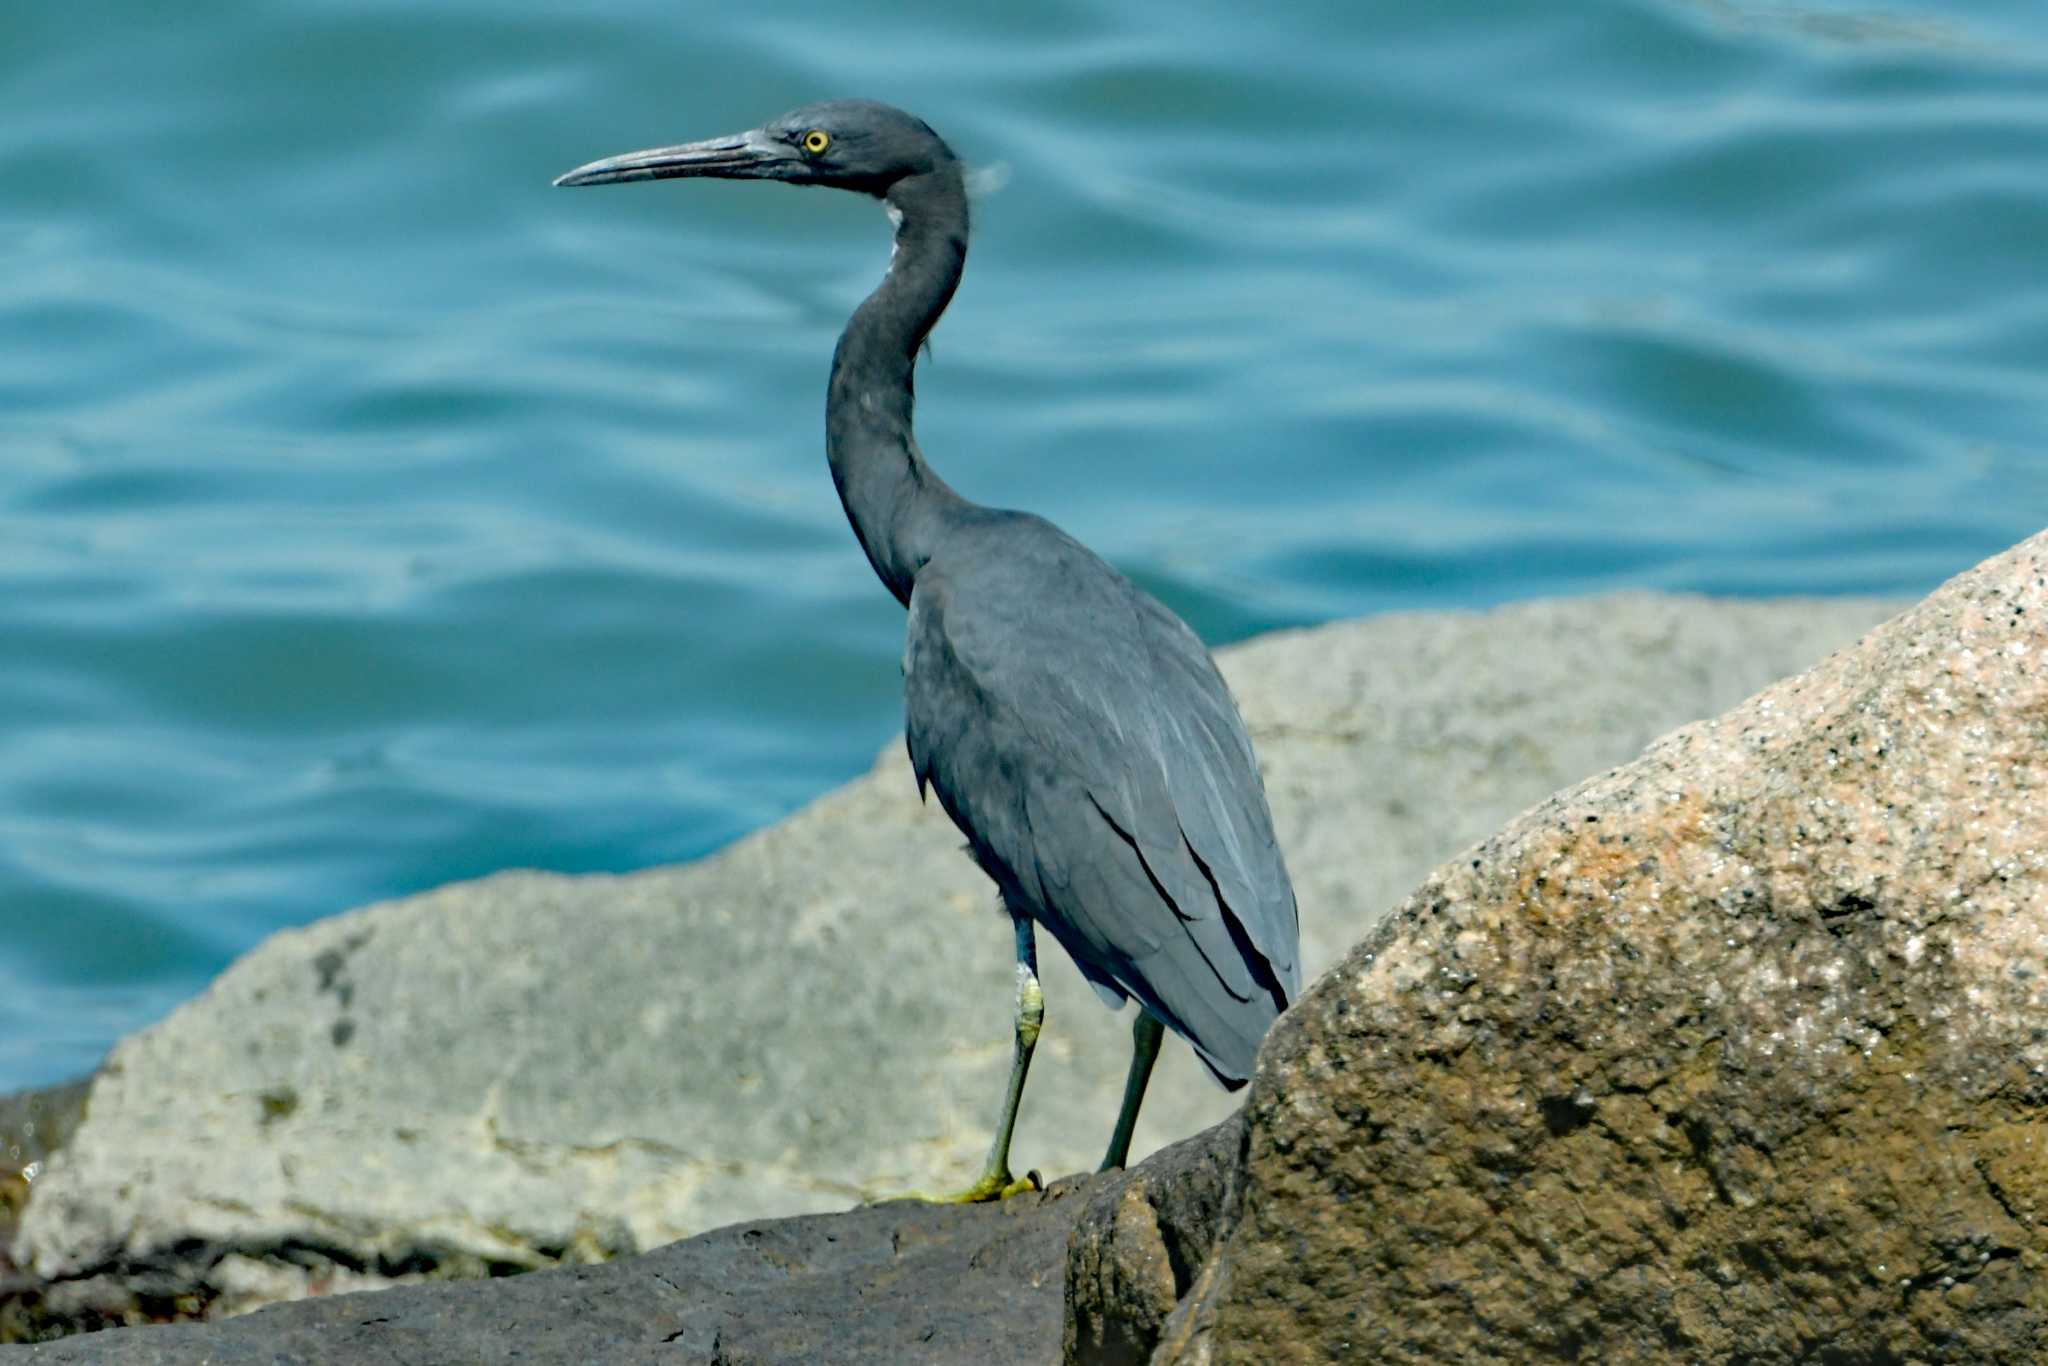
<point>846,144</point>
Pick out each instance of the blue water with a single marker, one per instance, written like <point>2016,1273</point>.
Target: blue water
<point>372,514</point>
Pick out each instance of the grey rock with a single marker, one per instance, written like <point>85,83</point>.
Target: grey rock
<point>897,1283</point>
<point>1738,1052</point>
<point>535,1069</point>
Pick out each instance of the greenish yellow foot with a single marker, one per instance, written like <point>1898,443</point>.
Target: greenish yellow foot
<point>996,1185</point>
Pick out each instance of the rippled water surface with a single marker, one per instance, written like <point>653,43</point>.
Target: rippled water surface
<point>372,514</point>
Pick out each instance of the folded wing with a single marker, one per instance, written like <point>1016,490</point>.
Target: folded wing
<point>1080,736</point>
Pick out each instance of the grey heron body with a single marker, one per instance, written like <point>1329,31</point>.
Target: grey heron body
<point>1072,726</point>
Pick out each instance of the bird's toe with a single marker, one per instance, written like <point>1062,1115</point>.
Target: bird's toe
<point>995,1185</point>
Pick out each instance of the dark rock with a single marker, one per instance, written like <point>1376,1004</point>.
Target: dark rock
<point>1139,1244</point>
<point>1739,1052</point>
<point>33,1124</point>
<point>901,1282</point>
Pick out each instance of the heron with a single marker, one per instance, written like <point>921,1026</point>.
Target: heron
<point>1073,727</point>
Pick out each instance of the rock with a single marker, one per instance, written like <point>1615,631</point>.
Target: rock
<point>33,1124</point>
<point>535,1069</point>
<point>886,1284</point>
<point>1140,1240</point>
<point>1739,1052</point>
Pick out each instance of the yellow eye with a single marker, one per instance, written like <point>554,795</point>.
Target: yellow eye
<point>816,141</point>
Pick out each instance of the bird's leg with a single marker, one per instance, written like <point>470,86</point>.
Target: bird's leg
<point>996,1183</point>
<point>1146,1032</point>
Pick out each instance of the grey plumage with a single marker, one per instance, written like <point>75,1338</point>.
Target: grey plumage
<point>1074,728</point>
<point>1079,735</point>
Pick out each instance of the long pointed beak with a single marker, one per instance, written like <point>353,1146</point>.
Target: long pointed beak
<point>738,157</point>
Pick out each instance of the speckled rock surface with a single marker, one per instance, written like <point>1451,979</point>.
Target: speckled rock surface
<point>534,1069</point>
<point>1739,1052</point>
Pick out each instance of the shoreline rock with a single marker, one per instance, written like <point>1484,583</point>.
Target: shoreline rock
<point>534,1069</point>
<point>33,1124</point>
<point>1739,1051</point>
<point>881,1284</point>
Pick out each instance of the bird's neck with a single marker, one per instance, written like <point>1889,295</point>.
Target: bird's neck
<point>898,507</point>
